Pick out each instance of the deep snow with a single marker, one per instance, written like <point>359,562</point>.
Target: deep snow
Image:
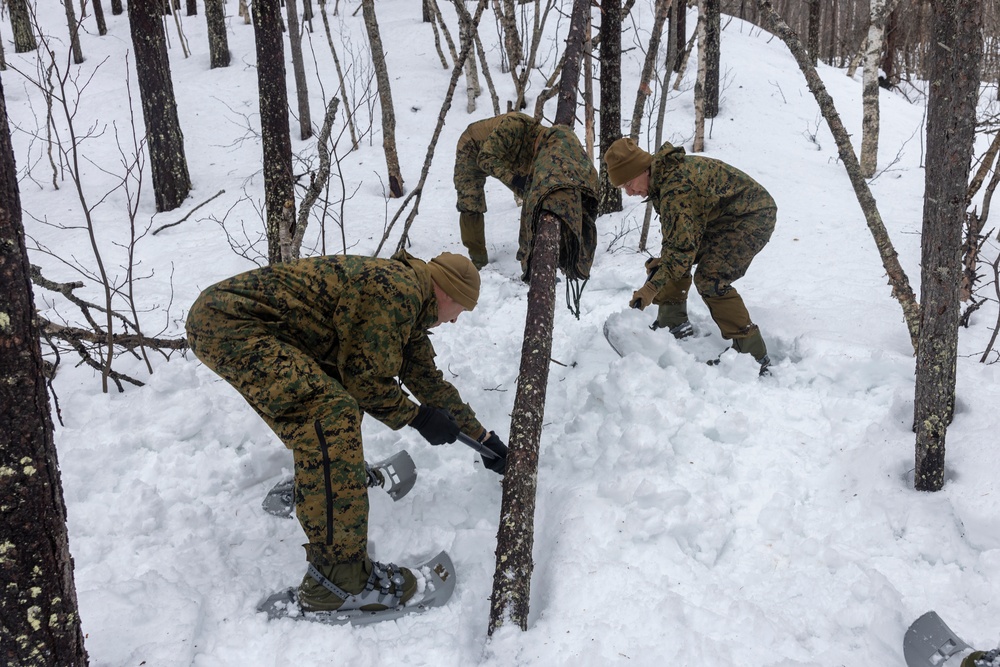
<point>687,515</point>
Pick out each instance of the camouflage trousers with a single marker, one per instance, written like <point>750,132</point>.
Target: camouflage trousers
<point>723,257</point>
<point>315,417</point>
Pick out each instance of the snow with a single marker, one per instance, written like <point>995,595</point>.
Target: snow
<point>686,514</point>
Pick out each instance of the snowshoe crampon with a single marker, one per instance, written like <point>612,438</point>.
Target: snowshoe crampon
<point>930,643</point>
<point>439,583</point>
<point>396,475</point>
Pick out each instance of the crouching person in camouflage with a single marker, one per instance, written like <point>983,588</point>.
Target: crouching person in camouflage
<point>545,167</point>
<point>314,344</point>
<point>712,215</point>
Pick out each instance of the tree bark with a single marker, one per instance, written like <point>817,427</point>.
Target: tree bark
<point>901,289</point>
<point>74,31</point>
<point>870,88</point>
<point>168,164</point>
<point>40,618</point>
<point>609,197</point>
<point>276,141</point>
<point>218,40</point>
<point>515,536</point>
<point>299,70</point>
<point>698,144</point>
<point>385,98</point>
<point>20,23</point>
<point>192,7</point>
<point>956,51</point>
<point>117,8</point>
<point>713,47</point>
<point>814,17</point>
<point>102,27</point>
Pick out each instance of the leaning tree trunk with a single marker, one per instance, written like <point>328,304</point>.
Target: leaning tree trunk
<point>890,260</point>
<point>168,164</point>
<point>713,47</point>
<point>276,140</point>
<point>20,23</point>
<point>870,88</point>
<point>74,31</point>
<point>39,617</point>
<point>385,98</point>
<point>218,41</point>
<point>299,69</point>
<point>662,9</point>
<point>515,536</point>
<point>609,198</point>
<point>956,50</point>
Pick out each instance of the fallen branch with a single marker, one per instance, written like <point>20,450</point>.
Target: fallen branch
<point>174,224</point>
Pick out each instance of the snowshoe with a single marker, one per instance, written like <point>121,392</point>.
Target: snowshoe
<point>396,475</point>
<point>439,581</point>
<point>930,643</point>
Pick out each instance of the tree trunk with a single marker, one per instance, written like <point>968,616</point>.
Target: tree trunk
<point>20,23</point>
<point>40,619</point>
<point>102,27</point>
<point>218,40</point>
<point>609,197</point>
<point>891,32</point>
<point>814,16</point>
<point>955,55</point>
<point>698,145</point>
<point>870,88</point>
<point>713,47</point>
<point>117,8</point>
<point>662,9</point>
<point>192,7</point>
<point>385,98</point>
<point>511,38</point>
<point>168,164</point>
<point>678,26</point>
<point>515,536</point>
<point>890,260</point>
<point>299,69</point>
<point>74,31</point>
<point>276,141</point>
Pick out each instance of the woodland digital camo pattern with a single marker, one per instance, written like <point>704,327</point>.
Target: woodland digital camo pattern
<point>314,344</point>
<point>712,215</point>
<point>559,176</point>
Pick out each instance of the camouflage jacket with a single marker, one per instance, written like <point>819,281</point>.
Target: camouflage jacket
<point>694,196</point>
<point>502,147</point>
<point>364,320</point>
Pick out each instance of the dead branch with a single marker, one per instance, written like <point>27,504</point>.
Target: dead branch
<point>174,224</point>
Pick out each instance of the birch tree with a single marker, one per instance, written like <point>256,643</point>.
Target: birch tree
<point>870,87</point>
<point>385,98</point>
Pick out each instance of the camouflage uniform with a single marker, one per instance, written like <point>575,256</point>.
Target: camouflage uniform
<point>544,166</point>
<point>314,344</point>
<point>716,217</point>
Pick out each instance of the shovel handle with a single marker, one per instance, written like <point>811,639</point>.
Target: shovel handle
<point>482,448</point>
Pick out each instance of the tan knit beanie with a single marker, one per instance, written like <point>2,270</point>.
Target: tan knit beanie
<point>457,276</point>
<point>625,161</point>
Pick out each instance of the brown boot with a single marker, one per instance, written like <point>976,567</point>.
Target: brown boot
<point>364,584</point>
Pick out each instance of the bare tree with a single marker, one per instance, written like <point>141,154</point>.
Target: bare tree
<point>102,27</point>
<point>515,537</point>
<point>20,23</point>
<point>813,30</point>
<point>901,289</point>
<point>276,141</point>
<point>698,145</point>
<point>385,98</point>
<point>74,31</point>
<point>713,47</point>
<point>873,57</point>
<point>41,620</point>
<point>652,51</point>
<point>610,197</point>
<point>299,69</point>
<point>218,41</point>
<point>956,52</point>
<point>168,163</point>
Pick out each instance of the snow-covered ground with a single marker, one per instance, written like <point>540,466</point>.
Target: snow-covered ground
<point>687,515</point>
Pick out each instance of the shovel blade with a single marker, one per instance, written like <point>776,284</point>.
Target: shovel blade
<point>929,642</point>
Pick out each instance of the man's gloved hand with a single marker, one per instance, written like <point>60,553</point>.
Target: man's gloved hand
<point>495,444</point>
<point>519,184</point>
<point>437,426</point>
<point>643,296</point>
<point>652,264</point>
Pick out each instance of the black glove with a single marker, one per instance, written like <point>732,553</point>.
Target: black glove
<point>437,426</point>
<point>495,444</point>
<point>519,184</point>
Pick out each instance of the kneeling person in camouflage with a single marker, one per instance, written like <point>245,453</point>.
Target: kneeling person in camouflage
<point>713,216</point>
<point>314,344</point>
